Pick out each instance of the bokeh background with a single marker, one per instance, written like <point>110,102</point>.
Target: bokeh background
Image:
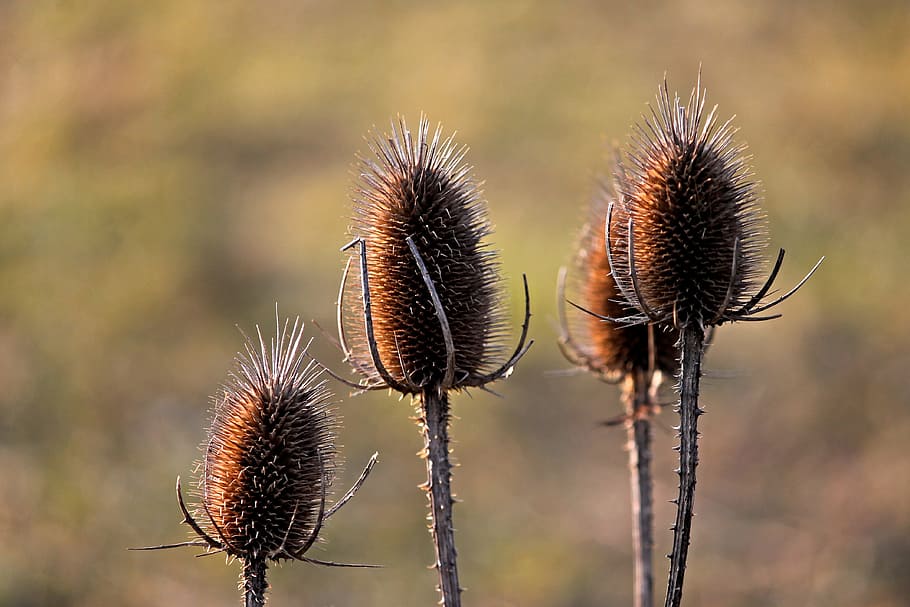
<point>171,170</point>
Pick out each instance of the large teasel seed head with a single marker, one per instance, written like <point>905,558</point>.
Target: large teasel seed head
<point>416,191</point>
<point>686,235</point>
<point>611,349</point>
<point>270,456</point>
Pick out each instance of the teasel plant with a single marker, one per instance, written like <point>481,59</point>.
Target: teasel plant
<point>684,241</point>
<point>270,461</point>
<point>635,357</point>
<point>429,319</point>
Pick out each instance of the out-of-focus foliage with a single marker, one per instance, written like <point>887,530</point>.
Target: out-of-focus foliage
<point>169,170</point>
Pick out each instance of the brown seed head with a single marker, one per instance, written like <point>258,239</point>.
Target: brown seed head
<point>270,455</point>
<point>419,187</point>
<point>613,348</point>
<point>696,233</point>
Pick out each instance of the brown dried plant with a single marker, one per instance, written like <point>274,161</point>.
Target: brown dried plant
<point>431,319</point>
<point>684,244</point>
<point>637,357</point>
<point>270,461</point>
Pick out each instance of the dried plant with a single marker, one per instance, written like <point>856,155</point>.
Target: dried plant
<point>270,461</point>
<point>432,320</point>
<point>609,350</point>
<point>637,357</point>
<point>684,243</point>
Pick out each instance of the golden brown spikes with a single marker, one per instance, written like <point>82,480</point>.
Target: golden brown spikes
<point>429,312</point>
<point>269,462</point>
<point>607,348</point>
<point>686,234</point>
<point>418,188</point>
<point>270,458</point>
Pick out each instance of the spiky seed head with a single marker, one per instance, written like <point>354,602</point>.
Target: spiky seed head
<point>419,186</point>
<point>270,449</point>
<point>697,234</point>
<point>615,349</point>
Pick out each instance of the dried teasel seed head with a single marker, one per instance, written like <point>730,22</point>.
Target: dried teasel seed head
<point>270,455</point>
<point>417,187</point>
<point>686,235</point>
<point>614,349</point>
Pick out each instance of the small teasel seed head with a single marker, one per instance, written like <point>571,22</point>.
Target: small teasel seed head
<point>686,235</point>
<point>417,186</point>
<point>270,455</point>
<point>615,348</point>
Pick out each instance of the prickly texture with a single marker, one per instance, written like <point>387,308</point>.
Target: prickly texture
<point>418,186</point>
<point>696,232</point>
<point>253,582</point>
<point>638,394</point>
<point>433,420</point>
<point>624,352</point>
<point>270,454</point>
<point>691,350</point>
<point>615,348</point>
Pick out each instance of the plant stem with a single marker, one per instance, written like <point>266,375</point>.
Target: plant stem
<point>435,427</point>
<point>638,399</point>
<point>254,584</point>
<point>691,347</point>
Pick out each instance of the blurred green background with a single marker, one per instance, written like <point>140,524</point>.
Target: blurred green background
<point>169,170</point>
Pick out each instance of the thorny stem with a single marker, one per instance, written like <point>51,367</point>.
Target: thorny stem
<point>691,346</point>
<point>254,584</point>
<point>638,396</point>
<point>434,423</point>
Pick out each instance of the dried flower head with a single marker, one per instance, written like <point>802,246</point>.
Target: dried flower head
<point>684,242</point>
<point>609,349</point>
<point>687,234</point>
<point>270,457</point>
<point>637,355</point>
<point>431,317</point>
<point>270,460</point>
<point>430,284</point>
